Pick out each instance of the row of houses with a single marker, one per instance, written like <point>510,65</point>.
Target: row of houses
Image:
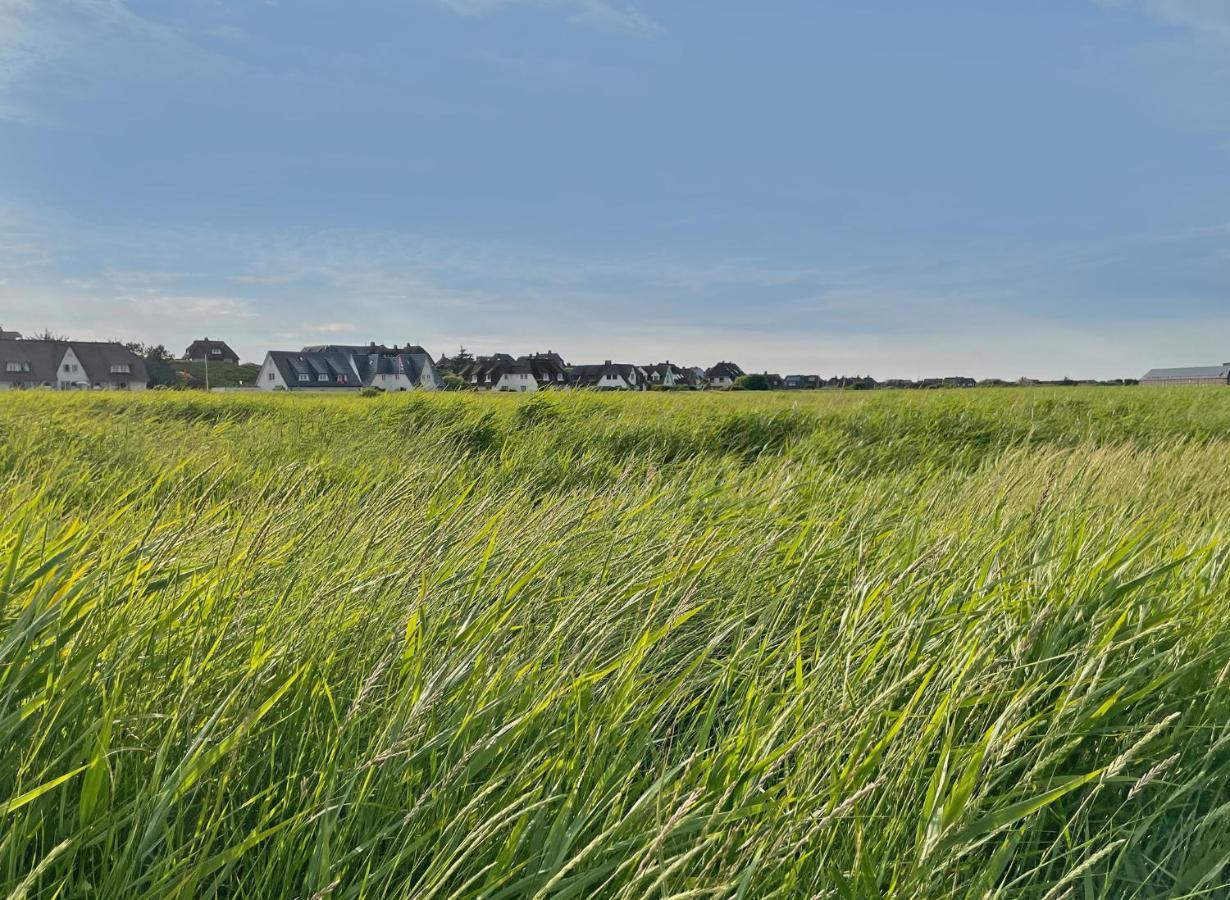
<point>340,367</point>
<point>349,367</point>
<point>94,365</point>
<point>68,365</point>
<point>61,364</point>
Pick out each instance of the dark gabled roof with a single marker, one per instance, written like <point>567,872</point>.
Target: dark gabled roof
<point>42,357</point>
<point>369,360</point>
<point>547,368</point>
<point>724,370</point>
<point>681,374</point>
<point>488,370</point>
<point>205,349</point>
<point>550,356</point>
<point>291,364</point>
<point>97,358</point>
<point>1189,373</point>
<point>590,375</point>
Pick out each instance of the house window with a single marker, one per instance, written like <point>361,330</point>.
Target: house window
<point>305,377</point>
<point>322,377</point>
<point>70,367</point>
<point>17,367</point>
<point>272,376</point>
<point>121,369</point>
<point>215,352</point>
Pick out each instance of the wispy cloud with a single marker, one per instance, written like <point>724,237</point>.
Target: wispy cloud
<point>1207,17</point>
<point>190,307</point>
<point>596,13</point>
<point>334,327</point>
<point>1092,309</point>
<point>228,33</point>
<point>50,49</point>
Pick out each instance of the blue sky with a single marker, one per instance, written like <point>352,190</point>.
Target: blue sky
<point>955,187</point>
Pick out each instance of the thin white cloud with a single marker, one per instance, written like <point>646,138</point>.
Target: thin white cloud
<point>50,49</point>
<point>597,13</point>
<point>334,327</point>
<point>1042,311</point>
<point>1207,17</point>
<point>228,33</point>
<point>190,307</point>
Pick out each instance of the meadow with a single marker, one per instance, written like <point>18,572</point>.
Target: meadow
<point>848,645</point>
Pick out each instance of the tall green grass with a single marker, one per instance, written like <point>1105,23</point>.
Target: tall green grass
<point>968,644</point>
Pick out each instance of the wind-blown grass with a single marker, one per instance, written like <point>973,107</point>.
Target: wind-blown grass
<point>893,645</point>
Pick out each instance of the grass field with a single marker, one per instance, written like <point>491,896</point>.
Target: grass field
<point>954,644</point>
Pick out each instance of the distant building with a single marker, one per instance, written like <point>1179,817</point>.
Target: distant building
<point>610,377</point>
<point>206,350</point>
<point>70,366</point>
<point>668,375</point>
<point>723,375</point>
<point>9,335</point>
<point>523,375</point>
<point>774,381</point>
<point>550,357</point>
<point>334,367</point>
<point>1191,375</point>
<point>802,382</point>
<point>549,369</point>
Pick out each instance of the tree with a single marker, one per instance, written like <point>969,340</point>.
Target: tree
<point>157,362</point>
<point>753,382</point>
<point>456,362</point>
<point>48,335</point>
<point>454,382</point>
<point>150,352</point>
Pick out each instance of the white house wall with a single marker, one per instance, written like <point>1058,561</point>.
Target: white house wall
<point>266,383</point>
<point>392,382</point>
<point>522,383</point>
<point>69,372</point>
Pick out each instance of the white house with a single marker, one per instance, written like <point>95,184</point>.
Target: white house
<point>723,375</point>
<point>610,377</point>
<point>70,366</point>
<point>344,367</point>
<point>524,375</point>
<point>669,375</point>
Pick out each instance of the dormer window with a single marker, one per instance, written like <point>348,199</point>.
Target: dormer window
<point>322,377</point>
<point>121,369</point>
<point>17,367</point>
<point>216,351</point>
<point>305,377</point>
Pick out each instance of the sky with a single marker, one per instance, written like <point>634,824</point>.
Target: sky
<point>885,187</point>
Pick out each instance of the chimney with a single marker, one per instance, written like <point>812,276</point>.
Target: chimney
<point>607,363</point>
